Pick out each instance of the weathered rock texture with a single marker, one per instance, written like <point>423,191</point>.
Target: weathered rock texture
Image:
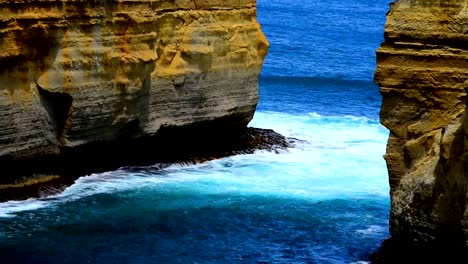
<point>423,74</point>
<point>76,73</point>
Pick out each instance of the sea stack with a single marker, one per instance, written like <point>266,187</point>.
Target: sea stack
<point>422,72</point>
<point>90,81</point>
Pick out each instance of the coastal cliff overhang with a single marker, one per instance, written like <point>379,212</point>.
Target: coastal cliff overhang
<point>90,81</point>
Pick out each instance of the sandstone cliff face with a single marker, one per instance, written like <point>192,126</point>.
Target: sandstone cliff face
<point>423,74</point>
<point>77,72</point>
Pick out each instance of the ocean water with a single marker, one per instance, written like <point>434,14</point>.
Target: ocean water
<point>324,201</point>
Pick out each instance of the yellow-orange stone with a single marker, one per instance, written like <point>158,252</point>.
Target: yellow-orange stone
<point>77,72</point>
<point>423,77</point>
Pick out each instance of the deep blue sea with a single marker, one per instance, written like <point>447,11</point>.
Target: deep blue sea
<point>324,201</point>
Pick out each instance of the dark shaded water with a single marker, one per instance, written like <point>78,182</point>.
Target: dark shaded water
<point>325,201</point>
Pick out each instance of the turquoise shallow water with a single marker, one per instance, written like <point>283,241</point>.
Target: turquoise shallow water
<point>324,201</point>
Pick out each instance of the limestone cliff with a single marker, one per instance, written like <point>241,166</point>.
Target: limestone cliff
<point>73,73</point>
<point>423,76</point>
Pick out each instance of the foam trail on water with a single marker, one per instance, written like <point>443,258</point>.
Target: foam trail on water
<point>340,158</point>
<point>8,209</point>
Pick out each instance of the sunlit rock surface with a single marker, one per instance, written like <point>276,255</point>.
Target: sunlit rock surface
<point>423,77</point>
<point>75,73</point>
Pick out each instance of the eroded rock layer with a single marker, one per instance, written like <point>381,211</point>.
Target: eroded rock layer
<point>73,73</point>
<point>423,74</point>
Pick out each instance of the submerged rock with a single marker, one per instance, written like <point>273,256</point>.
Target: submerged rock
<point>422,72</point>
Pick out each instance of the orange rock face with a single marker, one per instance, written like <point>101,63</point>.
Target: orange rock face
<point>423,76</point>
<point>78,72</point>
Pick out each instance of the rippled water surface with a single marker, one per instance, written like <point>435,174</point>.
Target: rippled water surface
<point>324,201</point>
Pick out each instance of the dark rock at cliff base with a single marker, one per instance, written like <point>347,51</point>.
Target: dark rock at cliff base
<point>397,251</point>
<point>88,86</point>
<point>42,177</point>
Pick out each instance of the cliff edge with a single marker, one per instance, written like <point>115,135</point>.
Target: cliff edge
<point>85,79</point>
<point>422,71</point>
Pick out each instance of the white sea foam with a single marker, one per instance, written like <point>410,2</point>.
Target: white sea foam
<point>372,230</point>
<point>341,158</point>
<point>8,209</point>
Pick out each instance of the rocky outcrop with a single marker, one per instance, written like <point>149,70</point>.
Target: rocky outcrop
<point>135,155</point>
<point>423,77</point>
<point>77,76</point>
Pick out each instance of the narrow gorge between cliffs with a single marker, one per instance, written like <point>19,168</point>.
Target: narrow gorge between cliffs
<point>326,200</point>
<point>131,118</point>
